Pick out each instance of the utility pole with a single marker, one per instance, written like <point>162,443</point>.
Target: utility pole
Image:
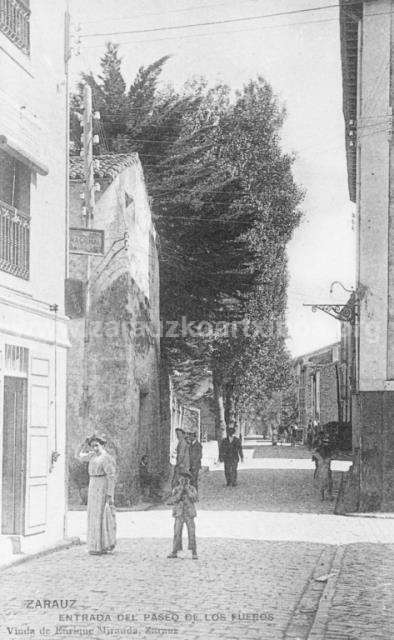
<point>87,140</point>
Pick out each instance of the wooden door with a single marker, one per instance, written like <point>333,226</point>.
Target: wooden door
<point>14,455</point>
<point>38,445</point>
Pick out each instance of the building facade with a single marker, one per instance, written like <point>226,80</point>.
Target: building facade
<point>317,381</point>
<point>33,327</point>
<point>367,49</point>
<point>114,360</point>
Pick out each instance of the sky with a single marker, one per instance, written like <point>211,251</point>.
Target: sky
<point>299,55</point>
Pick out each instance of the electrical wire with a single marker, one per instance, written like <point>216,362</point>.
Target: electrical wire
<point>100,125</point>
<point>213,33</point>
<point>217,33</point>
<point>159,13</point>
<point>215,22</point>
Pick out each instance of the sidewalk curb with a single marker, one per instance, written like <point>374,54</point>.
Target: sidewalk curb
<point>376,515</point>
<point>143,506</point>
<point>21,559</point>
<point>317,631</point>
<point>304,613</point>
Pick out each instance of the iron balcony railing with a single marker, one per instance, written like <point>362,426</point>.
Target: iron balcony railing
<point>14,241</point>
<point>15,23</point>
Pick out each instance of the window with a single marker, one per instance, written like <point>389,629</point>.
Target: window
<point>14,216</point>
<point>16,360</point>
<point>15,22</point>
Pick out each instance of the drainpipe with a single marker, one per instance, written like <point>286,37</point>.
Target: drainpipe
<point>67,56</point>
<point>340,416</point>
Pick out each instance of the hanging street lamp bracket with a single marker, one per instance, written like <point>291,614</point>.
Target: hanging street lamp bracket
<point>342,312</point>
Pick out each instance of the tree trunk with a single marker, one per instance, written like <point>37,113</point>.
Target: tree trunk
<point>220,420</point>
<point>232,420</point>
<point>227,408</point>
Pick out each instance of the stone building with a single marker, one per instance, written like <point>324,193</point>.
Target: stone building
<point>316,375</point>
<point>114,360</point>
<point>205,404</point>
<point>323,387</point>
<point>367,51</point>
<point>33,327</point>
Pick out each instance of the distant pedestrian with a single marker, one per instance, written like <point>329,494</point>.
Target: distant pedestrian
<point>101,524</point>
<point>184,495</point>
<point>195,455</point>
<point>149,482</point>
<point>293,435</point>
<point>323,473</point>
<point>274,436</point>
<point>182,456</point>
<point>309,436</point>
<point>230,452</point>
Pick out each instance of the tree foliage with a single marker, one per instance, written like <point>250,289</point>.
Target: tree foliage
<point>225,204</point>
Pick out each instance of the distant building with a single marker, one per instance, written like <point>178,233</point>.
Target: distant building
<point>33,327</point>
<point>119,364</point>
<point>205,404</point>
<point>317,384</point>
<point>323,379</point>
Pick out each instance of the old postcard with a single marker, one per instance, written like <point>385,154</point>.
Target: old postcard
<point>196,319</point>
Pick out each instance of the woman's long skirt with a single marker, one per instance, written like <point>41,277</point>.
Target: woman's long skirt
<point>101,533</point>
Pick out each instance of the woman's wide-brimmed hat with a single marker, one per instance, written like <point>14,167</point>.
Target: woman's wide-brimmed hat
<point>98,437</point>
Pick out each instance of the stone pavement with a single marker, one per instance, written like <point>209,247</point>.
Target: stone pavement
<point>288,490</point>
<point>362,605</point>
<point>237,590</point>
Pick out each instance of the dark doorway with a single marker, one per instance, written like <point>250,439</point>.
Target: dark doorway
<point>14,455</point>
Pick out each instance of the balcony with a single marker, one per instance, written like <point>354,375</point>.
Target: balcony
<point>15,23</point>
<point>14,241</point>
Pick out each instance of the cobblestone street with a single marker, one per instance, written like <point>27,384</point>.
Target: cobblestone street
<point>272,566</point>
<point>265,489</point>
<point>231,578</point>
<point>362,606</point>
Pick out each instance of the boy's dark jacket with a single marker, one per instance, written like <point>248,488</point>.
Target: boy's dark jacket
<point>183,499</point>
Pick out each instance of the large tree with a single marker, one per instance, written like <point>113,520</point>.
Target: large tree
<point>225,204</point>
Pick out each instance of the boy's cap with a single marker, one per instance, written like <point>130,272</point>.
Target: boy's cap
<point>98,438</point>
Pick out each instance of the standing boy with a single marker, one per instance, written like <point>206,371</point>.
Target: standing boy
<point>183,498</point>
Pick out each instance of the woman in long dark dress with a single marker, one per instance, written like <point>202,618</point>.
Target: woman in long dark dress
<point>101,524</point>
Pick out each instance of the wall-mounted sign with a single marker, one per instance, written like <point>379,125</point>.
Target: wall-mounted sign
<point>87,241</point>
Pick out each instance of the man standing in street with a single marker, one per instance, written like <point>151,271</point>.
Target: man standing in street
<point>195,453</point>
<point>230,452</point>
<point>182,464</point>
